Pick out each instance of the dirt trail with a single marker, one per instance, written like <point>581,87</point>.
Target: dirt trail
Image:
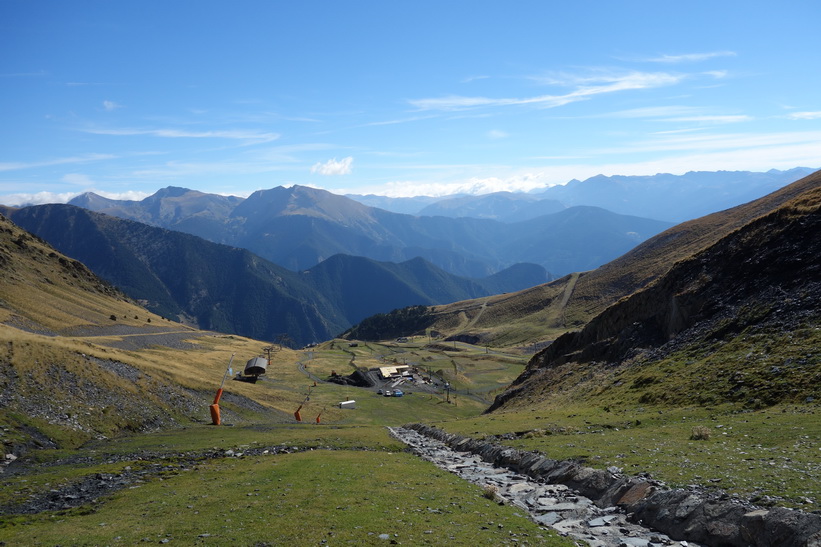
<point>568,292</point>
<point>478,315</point>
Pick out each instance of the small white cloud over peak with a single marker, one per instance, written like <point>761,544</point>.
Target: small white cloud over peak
<point>38,198</point>
<point>111,105</point>
<point>334,167</point>
<point>805,115</point>
<point>128,195</point>
<point>42,198</point>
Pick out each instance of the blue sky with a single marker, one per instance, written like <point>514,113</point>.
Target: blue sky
<point>398,97</point>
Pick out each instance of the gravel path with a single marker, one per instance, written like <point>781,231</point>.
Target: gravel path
<point>134,338</point>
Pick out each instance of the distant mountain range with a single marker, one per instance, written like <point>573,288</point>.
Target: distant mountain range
<point>227,289</point>
<point>309,263</point>
<point>672,198</point>
<point>299,227</point>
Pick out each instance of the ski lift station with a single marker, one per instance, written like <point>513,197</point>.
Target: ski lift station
<point>394,372</point>
<point>256,366</point>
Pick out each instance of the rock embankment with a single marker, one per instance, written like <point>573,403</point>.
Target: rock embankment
<point>689,515</point>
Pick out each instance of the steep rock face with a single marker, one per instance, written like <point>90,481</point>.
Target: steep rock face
<point>765,273</point>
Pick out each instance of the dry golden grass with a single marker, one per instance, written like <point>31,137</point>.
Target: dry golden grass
<point>52,292</point>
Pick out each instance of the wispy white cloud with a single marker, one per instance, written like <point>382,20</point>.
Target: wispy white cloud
<point>677,113</point>
<point>670,153</point>
<point>705,118</point>
<point>717,74</point>
<point>14,166</point>
<point>816,115</point>
<point>111,105</point>
<point>78,179</point>
<point>586,86</point>
<point>804,143</point>
<point>655,112</point>
<point>249,137</point>
<point>689,57</point>
<point>497,134</point>
<point>290,153</point>
<point>38,198</point>
<point>334,167</point>
<point>128,195</point>
<point>398,121</point>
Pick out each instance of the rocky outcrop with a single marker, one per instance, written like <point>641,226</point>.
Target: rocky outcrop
<point>683,514</point>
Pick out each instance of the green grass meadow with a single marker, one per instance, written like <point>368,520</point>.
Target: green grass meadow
<point>345,485</point>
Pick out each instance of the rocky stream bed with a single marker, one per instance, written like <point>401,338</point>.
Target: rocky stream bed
<point>605,508</point>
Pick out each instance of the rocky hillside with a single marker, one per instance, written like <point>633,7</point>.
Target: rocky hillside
<point>735,322</point>
<point>71,361</point>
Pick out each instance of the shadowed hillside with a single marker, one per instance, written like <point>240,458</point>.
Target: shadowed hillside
<point>217,287</point>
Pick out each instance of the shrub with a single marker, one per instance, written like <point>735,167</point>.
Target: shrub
<point>700,433</point>
<point>490,492</point>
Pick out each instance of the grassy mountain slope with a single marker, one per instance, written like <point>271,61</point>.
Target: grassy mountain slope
<point>223,288</point>
<point>544,312</point>
<point>736,321</point>
<point>212,286</point>
<point>59,391</point>
<point>46,292</point>
<point>102,420</point>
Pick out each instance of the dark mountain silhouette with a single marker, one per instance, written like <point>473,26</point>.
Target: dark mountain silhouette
<point>502,206</point>
<point>300,227</point>
<point>212,286</point>
<point>404,205</point>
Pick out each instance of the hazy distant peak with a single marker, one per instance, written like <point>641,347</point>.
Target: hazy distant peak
<point>171,192</point>
<point>92,201</point>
